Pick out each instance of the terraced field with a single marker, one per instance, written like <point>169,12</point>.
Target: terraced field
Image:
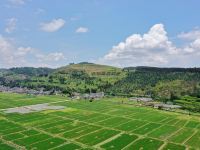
<point>103,124</point>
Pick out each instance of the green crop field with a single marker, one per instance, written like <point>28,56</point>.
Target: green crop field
<point>101,124</point>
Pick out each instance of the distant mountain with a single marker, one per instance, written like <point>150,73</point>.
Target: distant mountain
<point>157,69</point>
<point>30,71</point>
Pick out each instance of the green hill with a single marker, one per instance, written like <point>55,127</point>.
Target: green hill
<point>160,83</point>
<point>91,69</point>
<point>82,77</point>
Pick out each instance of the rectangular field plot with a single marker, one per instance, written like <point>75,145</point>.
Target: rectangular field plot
<point>4,146</point>
<point>65,127</point>
<point>40,122</point>
<point>97,137</point>
<point>145,144</point>
<point>54,123</point>
<point>80,131</point>
<point>192,124</point>
<point>12,130</point>
<point>181,135</point>
<point>132,125</point>
<point>19,135</point>
<point>121,112</point>
<point>153,117</point>
<point>69,146</point>
<point>98,118</point>
<point>30,132</point>
<point>120,142</point>
<point>180,123</point>
<point>112,122</point>
<point>71,113</point>
<point>194,141</point>
<point>166,120</point>
<point>7,127</point>
<point>27,141</point>
<point>27,118</point>
<point>173,121</point>
<point>163,132</point>
<point>171,146</point>
<point>146,128</point>
<point>13,136</point>
<point>47,144</point>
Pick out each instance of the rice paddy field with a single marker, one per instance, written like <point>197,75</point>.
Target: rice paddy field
<point>101,124</point>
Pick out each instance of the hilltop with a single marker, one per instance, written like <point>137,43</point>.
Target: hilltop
<point>90,68</point>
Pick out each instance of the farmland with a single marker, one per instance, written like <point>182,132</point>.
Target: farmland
<point>104,124</point>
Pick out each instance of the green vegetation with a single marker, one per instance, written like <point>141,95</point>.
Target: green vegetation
<point>179,85</point>
<point>102,124</point>
<point>145,143</point>
<point>119,143</point>
<point>170,146</point>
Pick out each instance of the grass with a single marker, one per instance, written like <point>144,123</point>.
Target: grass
<point>144,144</point>
<point>132,125</point>
<point>147,128</point>
<point>120,142</point>
<point>194,141</point>
<point>180,136</point>
<point>32,139</point>
<point>69,146</point>
<point>97,137</point>
<point>80,131</point>
<point>171,146</point>
<point>6,147</point>
<point>47,144</point>
<point>104,124</point>
<point>163,132</point>
<point>192,124</point>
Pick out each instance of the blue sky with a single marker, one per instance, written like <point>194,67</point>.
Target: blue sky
<point>54,33</point>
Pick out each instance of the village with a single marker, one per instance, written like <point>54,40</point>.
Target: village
<point>142,101</point>
<point>147,101</point>
<point>21,90</point>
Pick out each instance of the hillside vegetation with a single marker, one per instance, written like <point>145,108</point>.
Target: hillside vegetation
<point>164,84</point>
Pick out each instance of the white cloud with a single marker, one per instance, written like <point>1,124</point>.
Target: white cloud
<point>152,49</point>
<point>11,25</point>
<point>82,30</point>
<point>12,56</point>
<point>17,2</point>
<point>53,25</point>
<point>191,35</point>
<point>57,56</point>
<point>23,51</point>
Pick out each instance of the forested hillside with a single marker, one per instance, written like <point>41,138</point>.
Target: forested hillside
<point>151,81</point>
<point>160,83</point>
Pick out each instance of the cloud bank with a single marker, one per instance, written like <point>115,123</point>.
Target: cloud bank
<point>155,49</point>
<point>12,56</point>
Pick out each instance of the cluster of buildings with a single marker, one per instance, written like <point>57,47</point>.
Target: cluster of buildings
<point>141,99</point>
<point>147,101</point>
<point>89,96</point>
<point>20,90</point>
